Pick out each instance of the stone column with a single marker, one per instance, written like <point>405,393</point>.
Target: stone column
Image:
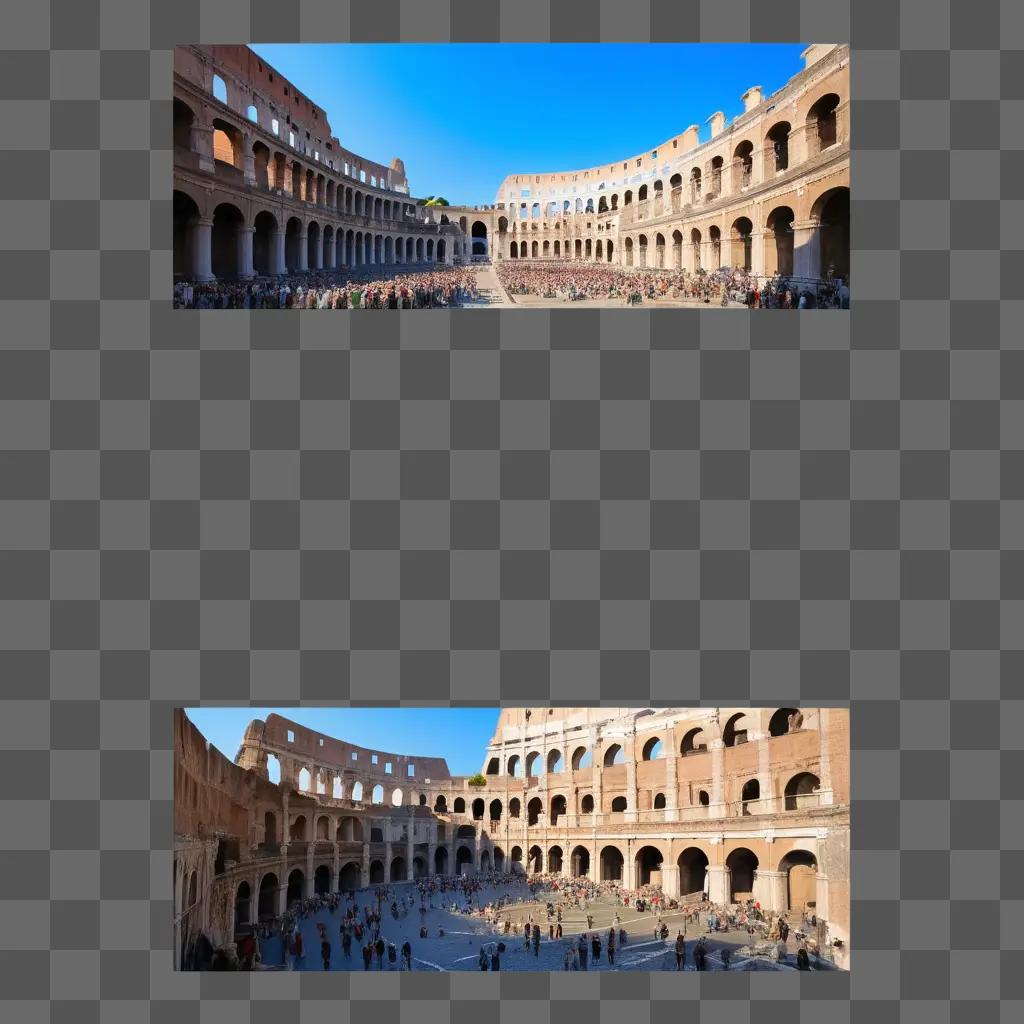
<point>631,812</point>
<point>771,890</point>
<point>248,162</point>
<point>364,874</point>
<point>329,250</point>
<point>337,868</point>
<point>717,808</point>
<point>717,884</point>
<point>201,143</point>
<point>671,779</point>
<point>821,897</point>
<point>303,249</point>
<point>408,847</point>
<point>202,240</point>
<point>757,241</point>
<point>825,797</point>
<point>277,253</point>
<point>245,236</point>
<point>766,801</point>
<point>806,249</point>
<point>282,896</point>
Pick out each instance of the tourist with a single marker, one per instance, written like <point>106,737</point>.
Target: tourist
<point>379,950</point>
<point>595,948</point>
<point>367,956</point>
<point>296,950</point>
<point>680,952</point>
<point>406,956</point>
<point>325,954</point>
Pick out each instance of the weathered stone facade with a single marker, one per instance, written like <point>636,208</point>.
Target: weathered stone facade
<point>724,801</point>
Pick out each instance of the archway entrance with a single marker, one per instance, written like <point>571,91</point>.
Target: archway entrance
<point>742,864</point>
<point>322,880</point>
<point>499,859</point>
<point>463,860</point>
<point>441,861</point>
<point>479,235</point>
<point>186,215</point>
<point>802,791</point>
<point>419,867</point>
<point>296,887</point>
<point>779,257</point>
<point>536,860</point>
<point>485,860</point>
<point>517,858</point>
<point>349,877</point>
<point>834,218</point>
<point>555,860</point>
<point>398,869</point>
<point>267,906</point>
<point>580,861</point>
<point>648,866</point>
<point>801,871</point>
<point>693,869</point>
<point>741,243</point>
<point>227,229</point>
<point>243,898</point>
<point>611,864</point>
<point>376,872</point>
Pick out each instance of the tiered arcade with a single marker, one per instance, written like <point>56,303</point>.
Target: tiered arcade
<point>726,801</point>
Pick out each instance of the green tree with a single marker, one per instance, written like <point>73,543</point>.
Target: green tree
<point>477,780</point>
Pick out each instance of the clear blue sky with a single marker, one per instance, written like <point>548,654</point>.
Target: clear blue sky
<point>463,115</point>
<point>459,735</point>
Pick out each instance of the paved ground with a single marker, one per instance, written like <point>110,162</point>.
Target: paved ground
<point>459,949</point>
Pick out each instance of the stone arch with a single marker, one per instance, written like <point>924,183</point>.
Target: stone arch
<point>323,828</point>
<point>641,196</point>
<point>269,828</point>
<point>357,792</point>
<point>378,794</point>
<point>555,860</point>
<point>228,223</point>
<point>831,210</point>
<point>742,863</point>
<point>652,749</point>
<point>397,869</point>
<point>536,860</point>
<point>629,252</point>
<point>694,742</point>
<point>219,89</point>
<point>581,758</point>
<point>802,791</point>
<point>376,872</point>
<point>822,123</point>
<point>499,858</point>
<point>514,807</point>
<point>779,257</point>
<point>459,806</point>
<point>263,242</point>
<point>558,808</point>
<point>579,861</point>
<point>396,797</point>
<point>779,723</point>
<point>513,250</point>
<point>648,859</point>
<point>642,246</point>
<point>612,863</point>
<point>534,809</point>
<point>692,865</point>
<point>554,762</point>
<point>533,757</point>
<point>618,804</point>
<point>478,809</point>
<point>587,804</point>
<point>261,164</point>
<point>614,754</point>
<point>441,860</point>
<point>735,731</point>
<point>243,900</point>
<point>479,235</point>
<point>350,830</point>
<point>322,880</point>
<point>350,877</point>
<point>659,250</point>
<point>293,248</point>
<point>743,158</point>
<point>485,860</point>
<point>659,802</point>
<point>750,794</point>
<point>534,249</point>
<point>186,213</point>
<point>440,804</point>
<point>493,766</point>
<point>267,898</point>
<point>742,243</point>
<point>296,887</point>
<point>801,870</point>
<point>297,832</point>
<point>495,810</point>
<point>184,119</point>
<point>228,144</point>
<point>516,855</point>
<point>777,144</point>
<point>463,856</point>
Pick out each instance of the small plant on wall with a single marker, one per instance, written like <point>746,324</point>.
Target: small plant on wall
<point>477,780</point>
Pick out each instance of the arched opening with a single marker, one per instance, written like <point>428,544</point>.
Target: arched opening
<point>579,862</point>
<point>558,809</point>
<point>226,240</point>
<point>459,806</point>
<point>502,225</point>
<point>602,204</point>
<point>269,887</point>
<point>614,755</point>
<point>717,165</point>
<point>478,809</point>
<point>629,252</point>
<point>533,811</point>
<point>642,245</point>
<point>330,250</point>
<point>357,792</point>
<point>715,236</point>
<point>536,860</point>
<point>396,798</point>
<point>652,749</point>
<point>422,800</point>
<point>349,877</point>
<point>578,249</point>
<point>703,800</point>
<point>499,859</point>
<point>441,861</point>
<point>555,860</point>
<point>587,804</point>
<point>350,830</point>
<point>611,864</point>
<point>581,759</point>
<point>273,769</point>
<point>398,869</point>
<point>801,870</point>
<point>618,804</point>
<point>227,146</point>
<point>296,887</point>
<point>641,196</point>
<point>492,766</point>
<point>546,248</point>
<point>693,868</point>
<point>378,794</point>
<point>534,250</point>
<point>802,791</point>
<point>261,164</point>
<point>627,198</point>
<point>533,758</point>
<point>750,795</point>
<point>463,857</point>
<point>514,807</point>
<point>741,243</point>
<point>479,235</point>
<point>323,828</point>
<point>376,872</point>
<point>742,863</point>
<point>743,161</point>
<point>554,762</point>
<point>782,721</point>
<point>184,120</point>
<point>833,213</point>
<point>485,860</point>
<point>293,245</point>
<point>243,897</point>
<point>677,250</point>
<point>465,832</point>
<point>659,250</point>
<point>822,123</point>
<point>495,810</point>
<point>694,742</point>
<point>376,835</point>
<point>513,252</point>
<point>442,250</point>
<point>186,215</point>
<point>777,141</point>
<point>608,251</point>
<point>648,866</point>
<point>558,246</point>
<point>220,89</point>
<point>264,234</point>
<point>441,805</point>
<point>659,801</point>
<point>735,731</point>
<point>298,830</point>
<point>322,880</point>
<point>780,225</point>
<point>517,858</point>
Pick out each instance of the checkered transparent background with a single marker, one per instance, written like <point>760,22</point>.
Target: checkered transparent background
<point>525,506</point>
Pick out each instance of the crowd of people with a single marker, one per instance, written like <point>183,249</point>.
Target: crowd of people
<point>572,282</point>
<point>337,289</point>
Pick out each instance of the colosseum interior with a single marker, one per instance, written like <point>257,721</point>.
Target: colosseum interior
<point>262,187</point>
<point>732,802</point>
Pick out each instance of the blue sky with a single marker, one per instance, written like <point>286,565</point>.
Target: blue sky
<point>460,735</point>
<point>464,115</point>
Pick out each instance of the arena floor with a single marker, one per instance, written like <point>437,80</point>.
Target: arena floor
<point>459,948</point>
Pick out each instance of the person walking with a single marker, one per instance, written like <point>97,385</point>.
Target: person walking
<point>325,954</point>
<point>406,956</point>
<point>536,940</point>
<point>680,952</point>
<point>595,948</point>
<point>583,952</point>
<point>379,950</point>
<point>367,956</point>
